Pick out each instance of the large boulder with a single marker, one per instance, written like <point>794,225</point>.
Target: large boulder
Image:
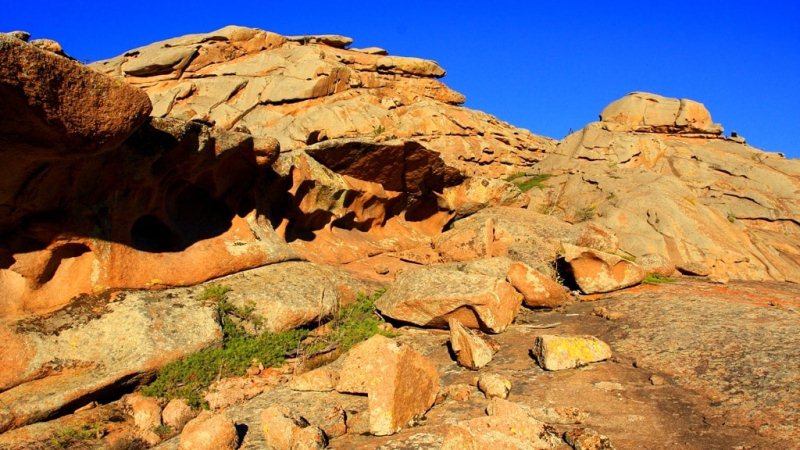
<point>429,296</point>
<point>645,112</point>
<point>400,383</point>
<point>292,294</point>
<point>538,290</point>
<point>56,363</point>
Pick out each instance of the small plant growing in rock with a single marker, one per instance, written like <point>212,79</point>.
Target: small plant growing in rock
<point>654,278</point>
<point>585,213</point>
<point>69,437</point>
<point>731,217</point>
<point>378,130</point>
<point>163,430</point>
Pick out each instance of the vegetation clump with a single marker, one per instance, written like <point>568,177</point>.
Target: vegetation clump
<point>189,377</point>
<point>654,278</point>
<point>69,437</point>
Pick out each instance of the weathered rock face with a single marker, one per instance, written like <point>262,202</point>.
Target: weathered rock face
<point>429,296</point>
<point>209,431</point>
<point>709,205</point>
<point>174,195</point>
<point>64,360</point>
<point>308,90</point>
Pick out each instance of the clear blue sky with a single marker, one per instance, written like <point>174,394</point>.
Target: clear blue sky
<point>543,65</point>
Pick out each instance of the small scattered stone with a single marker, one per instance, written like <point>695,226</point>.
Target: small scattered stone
<point>471,351</point>
<point>566,352</point>
<point>284,429</point>
<point>493,385</point>
<point>458,392</point>
<point>146,411</point>
<point>177,414</point>
<point>209,431</point>
<point>603,312</point>
<point>587,439</point>
<point>323,379</point>
<point>657,380</point>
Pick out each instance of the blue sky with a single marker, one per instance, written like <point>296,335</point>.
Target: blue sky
<point>543,65</point>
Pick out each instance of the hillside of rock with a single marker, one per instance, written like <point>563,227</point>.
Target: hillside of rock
<point>319,247</point>
<point>661,175</point>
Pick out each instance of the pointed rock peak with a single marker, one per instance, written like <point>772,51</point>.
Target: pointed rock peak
<point>652,113</point>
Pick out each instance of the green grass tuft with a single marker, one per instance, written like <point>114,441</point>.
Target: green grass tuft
<point>654,278</point>
<point>525,182</point>
<point>357,322</point>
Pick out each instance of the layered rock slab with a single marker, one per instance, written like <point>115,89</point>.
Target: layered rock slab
<point>62,361</point>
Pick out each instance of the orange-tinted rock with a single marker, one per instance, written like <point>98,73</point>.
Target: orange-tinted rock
<point>146,411</point>
<point>284,429</point>
<point>471,351</point>
<point>537,289</point>
<point>429,296</point>
<point>176,414</point>
<point>595,271</point>
<point>642,111</point>
<point>209,431</point>
<point>56,107</point>
<point>400,383</point>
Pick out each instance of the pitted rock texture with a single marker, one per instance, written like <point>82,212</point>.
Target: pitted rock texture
<point>708,205</point>
<point>302,90</point>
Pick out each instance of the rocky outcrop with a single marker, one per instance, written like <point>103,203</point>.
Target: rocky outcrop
<point>310,89</point>
<point>676,188</point>
<point>59,362</point>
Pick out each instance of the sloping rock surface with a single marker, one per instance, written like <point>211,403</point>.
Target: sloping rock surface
<point>676,188</point>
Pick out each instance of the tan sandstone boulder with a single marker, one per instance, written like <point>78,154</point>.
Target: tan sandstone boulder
<point>400,383</point>
<point>595,271</point>
<point>429,296</point>
<point>642,111</point>
<point>67,358</point>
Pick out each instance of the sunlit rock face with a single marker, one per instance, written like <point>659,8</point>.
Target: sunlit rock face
<point>659,174</point>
